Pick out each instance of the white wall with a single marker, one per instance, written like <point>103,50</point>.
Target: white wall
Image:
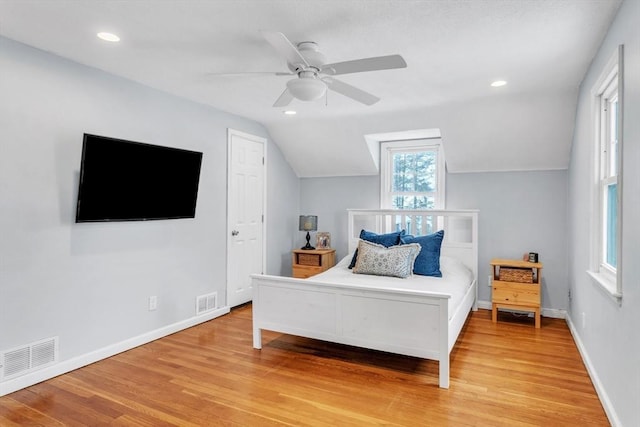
<point>609,339</point>
<point>519,212</point>
<point>89,284</point>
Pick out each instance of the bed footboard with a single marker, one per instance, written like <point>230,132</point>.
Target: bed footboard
<point>409,323</point>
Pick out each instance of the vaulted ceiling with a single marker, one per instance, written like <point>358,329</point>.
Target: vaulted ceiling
<point>454,49</point>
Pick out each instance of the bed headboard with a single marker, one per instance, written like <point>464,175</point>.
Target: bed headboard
<point>460,229</point>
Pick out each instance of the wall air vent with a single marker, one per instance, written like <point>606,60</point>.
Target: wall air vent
<point>206,303</point>
<point>28,358</point>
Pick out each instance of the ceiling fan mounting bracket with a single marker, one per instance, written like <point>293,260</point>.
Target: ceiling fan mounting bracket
<point>311,54</point>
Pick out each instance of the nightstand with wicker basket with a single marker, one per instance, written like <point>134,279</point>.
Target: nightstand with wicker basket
<point>307,263</point>
<point>516,286</point>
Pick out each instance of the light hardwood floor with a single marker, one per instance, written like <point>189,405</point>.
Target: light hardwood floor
<point>504,374</point>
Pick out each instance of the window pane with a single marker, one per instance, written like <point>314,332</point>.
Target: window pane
<point>412,202</point>
<point>613,138</point>
<point>611,225</point>
<point>418,226</point>
<point>414,171</point>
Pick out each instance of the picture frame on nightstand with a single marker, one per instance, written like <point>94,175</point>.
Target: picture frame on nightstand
<point>323,240</point>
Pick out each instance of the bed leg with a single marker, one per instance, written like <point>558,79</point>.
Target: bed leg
<point>443,345</point>
<point>475,300</point>
<point>257,338</point>
<point>444,372</point>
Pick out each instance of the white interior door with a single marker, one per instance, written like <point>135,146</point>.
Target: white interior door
<point>245,214</point>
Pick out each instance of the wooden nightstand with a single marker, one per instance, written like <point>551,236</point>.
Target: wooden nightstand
<point>516,286</point>
<point>307,263</point>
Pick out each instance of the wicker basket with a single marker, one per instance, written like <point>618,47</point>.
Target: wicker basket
<point>309,259</point>
<point>520,275</point>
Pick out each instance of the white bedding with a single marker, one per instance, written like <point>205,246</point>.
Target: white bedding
<point>455,281</point>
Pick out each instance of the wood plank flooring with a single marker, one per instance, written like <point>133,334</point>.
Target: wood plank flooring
<point>504,374</point>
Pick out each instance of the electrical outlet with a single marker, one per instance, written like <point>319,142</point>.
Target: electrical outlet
<point>153,303</point>
<point>489,280</point>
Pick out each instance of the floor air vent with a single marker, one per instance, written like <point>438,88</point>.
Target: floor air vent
<point>22,360</point>
<point>206,303</point>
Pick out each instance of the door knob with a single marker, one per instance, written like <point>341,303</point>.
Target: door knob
<point>235,232</point>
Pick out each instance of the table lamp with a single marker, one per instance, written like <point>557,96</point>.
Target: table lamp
<point>308,223</point>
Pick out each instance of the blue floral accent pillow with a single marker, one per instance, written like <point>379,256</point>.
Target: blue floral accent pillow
<point>428,260</point>
<point>394,261</point>
<point>386,240</point>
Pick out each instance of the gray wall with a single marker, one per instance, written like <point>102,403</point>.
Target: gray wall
<point>329,198</point>
<point>89,284</point>
<point>283,200</point>
<point>519,212</point>
<point>609,337</point>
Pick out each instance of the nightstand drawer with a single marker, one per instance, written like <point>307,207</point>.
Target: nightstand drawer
<point>516,293</point>
<point>305,272</point>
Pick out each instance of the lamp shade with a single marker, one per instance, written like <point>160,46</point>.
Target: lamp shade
<point>308,222</point>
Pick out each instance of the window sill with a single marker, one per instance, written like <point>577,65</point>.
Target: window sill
<point>605,284</point>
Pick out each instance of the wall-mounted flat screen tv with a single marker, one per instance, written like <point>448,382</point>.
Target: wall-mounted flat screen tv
<point>132,181</point>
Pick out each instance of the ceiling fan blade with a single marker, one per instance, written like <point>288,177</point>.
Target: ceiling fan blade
<point>251,73</point>
<point>284,99</point>
<point>284,47</point>
<point>350,91</point>
<point>366,64</point>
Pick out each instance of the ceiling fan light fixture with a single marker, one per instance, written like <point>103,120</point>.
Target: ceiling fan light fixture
<point>307,89</point>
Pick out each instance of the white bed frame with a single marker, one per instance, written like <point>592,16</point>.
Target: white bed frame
<point>397,320</point>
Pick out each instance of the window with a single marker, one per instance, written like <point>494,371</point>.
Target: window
<point>412,174</point>
<point>607,223</point>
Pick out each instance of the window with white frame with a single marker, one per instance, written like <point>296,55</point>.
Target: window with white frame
<point>607,219</point>
<point>412,174</point>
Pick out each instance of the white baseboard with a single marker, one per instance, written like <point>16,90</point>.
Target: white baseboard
<point>546,312</point>
<point>554,312</point>
<point>65,366</point>
<point>486,305</point>
<point>602,394</point>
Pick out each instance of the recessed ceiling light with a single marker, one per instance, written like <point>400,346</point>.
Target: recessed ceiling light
<point>498,83</point>
<point>110,37</point>
<point>290,112</point>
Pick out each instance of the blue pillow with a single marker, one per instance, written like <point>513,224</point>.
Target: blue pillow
<point>428,260</point>
<point>386,240</point>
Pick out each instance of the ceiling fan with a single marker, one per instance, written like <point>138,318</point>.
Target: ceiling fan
<point>314,76</point>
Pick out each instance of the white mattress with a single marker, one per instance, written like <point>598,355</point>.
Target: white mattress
<point>455,281</point>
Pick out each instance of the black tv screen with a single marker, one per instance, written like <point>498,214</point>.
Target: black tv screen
<point>132,181</point>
